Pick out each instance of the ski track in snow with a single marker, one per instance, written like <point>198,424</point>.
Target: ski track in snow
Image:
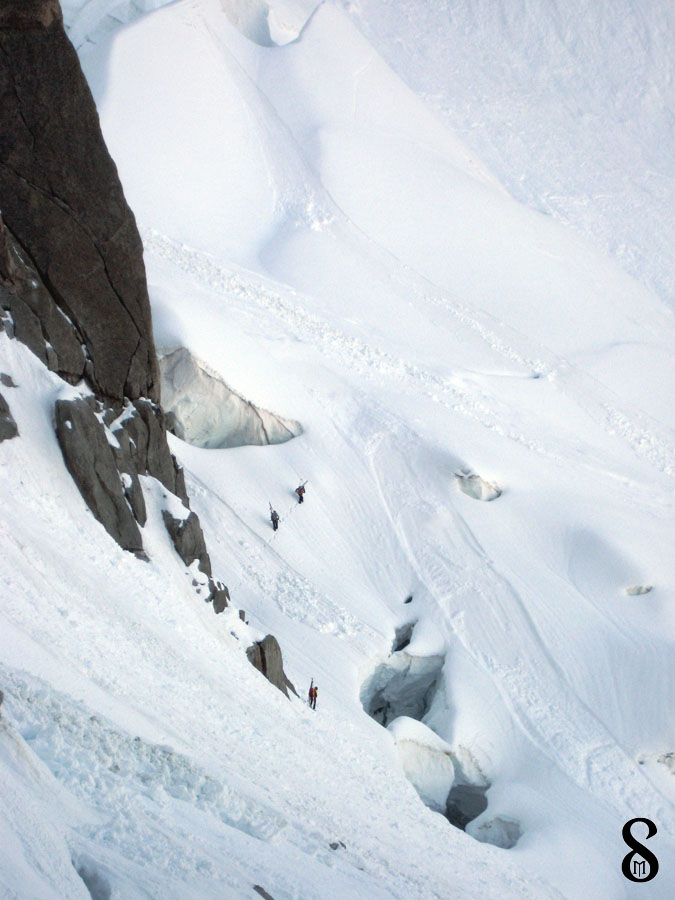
<point>295,596</point>
<point>458,575</point>
<point>640,432</point>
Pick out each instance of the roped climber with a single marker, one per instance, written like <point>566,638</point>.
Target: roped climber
<point>300,491</point>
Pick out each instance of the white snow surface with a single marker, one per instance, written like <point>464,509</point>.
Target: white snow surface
<point>570,102</point>
<point>322,239</point>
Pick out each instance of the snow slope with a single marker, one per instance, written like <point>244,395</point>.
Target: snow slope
<point>320,239</point>
<point>570,103</point>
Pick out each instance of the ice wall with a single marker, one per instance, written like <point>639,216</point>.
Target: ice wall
<point>208,413</point>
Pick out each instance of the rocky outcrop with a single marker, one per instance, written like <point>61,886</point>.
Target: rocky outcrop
<point>66,218</point>
<point>90,461</point>
<point>72,281</point>
<point>106,462</point>
<point>141,448</point>
<point>143,440</point>
<point>8,427</point>
<point>188,539</point>
<point>73,287</point>
<point>220,597</point>
<point>266,656</point>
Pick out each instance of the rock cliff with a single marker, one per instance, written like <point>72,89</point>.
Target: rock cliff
<point>73,286</point>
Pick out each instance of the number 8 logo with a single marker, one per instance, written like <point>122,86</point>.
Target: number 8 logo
<point>632,867</point>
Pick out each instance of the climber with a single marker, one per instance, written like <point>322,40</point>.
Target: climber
<point>300,491</point>
<point>274,516</point>
<point>311,693</point>
<point>314,696</point>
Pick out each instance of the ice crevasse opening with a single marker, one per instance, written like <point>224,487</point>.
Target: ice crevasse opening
<point>205,412</point>
<point>398,694</point>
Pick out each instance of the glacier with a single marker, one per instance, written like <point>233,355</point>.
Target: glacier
<point>337,227</point>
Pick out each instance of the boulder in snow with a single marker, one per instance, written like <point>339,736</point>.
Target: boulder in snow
<point>638,589</point>
<point>666,759</point>
<point>220,597</point>
<point>266,657</point>
<point>188,539</point>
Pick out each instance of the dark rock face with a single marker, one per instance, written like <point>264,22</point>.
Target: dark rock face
<point>144,447</point>
<point>266,656</point>
<point>8,427</point>
<point>143,450</point>
<point>90,461</point>
<point>188,539</point>
<point>36,319</point>
<point>108,476</point>
<point>221,598</point>
<point>29,13</point>
<point>263,893</point>
<point>72,282</point>
<point>65,212</point>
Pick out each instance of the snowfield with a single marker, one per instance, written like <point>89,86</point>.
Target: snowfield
<point>328,245</point>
